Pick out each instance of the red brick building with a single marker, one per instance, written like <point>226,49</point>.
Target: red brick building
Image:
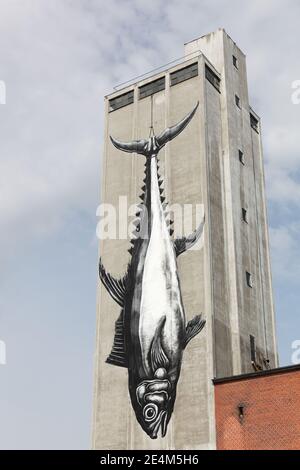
<point>260,410</point>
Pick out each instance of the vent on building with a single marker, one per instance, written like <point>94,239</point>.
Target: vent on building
<point>249,279</point>
<point>120,101</point>
<point>244,215</point>
<point>184,74</point>
<point>241,157</point>
<point>237,101</point>
<point>212,78</point>
<point>235,61</point>
<point>241,412</point>
<point>152,87</point>
<point>254,123</point>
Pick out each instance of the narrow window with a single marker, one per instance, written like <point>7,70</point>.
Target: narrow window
<point>241,157</point>
<point>120,101</point>
<point>152,87</point>
<point>184,74</point>
<point>254,123</point>
<point>235,61</point>
<point>237,101</point>
<point>252,349</point>
<point>244,215</point>
<point>212,78</point>
<point>249,279</point>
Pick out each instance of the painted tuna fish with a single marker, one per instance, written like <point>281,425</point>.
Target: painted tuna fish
<point>151,332</point>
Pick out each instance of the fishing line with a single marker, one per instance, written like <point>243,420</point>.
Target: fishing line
<point>151,133</point>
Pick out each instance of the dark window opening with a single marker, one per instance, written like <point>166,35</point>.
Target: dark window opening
<point>212,78</point>
<point>249,279</point>
<point>241,157</point>
<point>237,101</point>
<point>120,101</point>
<point>244,215</point>
<point>254,123</point>
<point>252,349</point>
<point>235,61</point>
<point>184,74</point>
<point>152,87</point>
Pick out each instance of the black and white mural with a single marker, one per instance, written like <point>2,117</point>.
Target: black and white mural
<point>151,332</point>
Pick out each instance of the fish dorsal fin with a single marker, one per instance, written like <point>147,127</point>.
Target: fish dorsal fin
<point>118,356</point>
<point>193,327</point>
<point>158,356</point>
<point>115,287</point>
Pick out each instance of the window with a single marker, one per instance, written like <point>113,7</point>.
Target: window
<point>184,74</point>
<point>241,157</point>
<point>212,78</point>
<point>244,215</point>
<point>120,101</point>
<point>252,349</point>
<point>249,279</point>
<point>254,123</point>
<point>235,61</point>
<point>237,101</point>
<point>152,87</point>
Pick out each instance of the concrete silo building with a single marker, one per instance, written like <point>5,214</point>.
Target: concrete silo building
<point>217,162</point>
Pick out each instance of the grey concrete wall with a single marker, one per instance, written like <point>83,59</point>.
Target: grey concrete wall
<point>183,168</point>
<point>200,166</point>
<point>252,310</point>
<point>220,280</point>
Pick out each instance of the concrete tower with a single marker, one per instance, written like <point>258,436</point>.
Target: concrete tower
<point>216,161</point>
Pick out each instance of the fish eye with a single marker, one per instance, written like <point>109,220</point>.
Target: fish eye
<point>150,412</point>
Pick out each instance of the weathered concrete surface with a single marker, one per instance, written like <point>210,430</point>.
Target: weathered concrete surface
<point>200,166</point>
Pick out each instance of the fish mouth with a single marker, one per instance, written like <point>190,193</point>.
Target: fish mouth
<point>160,424</point>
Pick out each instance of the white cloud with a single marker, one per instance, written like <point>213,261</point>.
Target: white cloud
<point>284,241</point>
<point>59,58</point>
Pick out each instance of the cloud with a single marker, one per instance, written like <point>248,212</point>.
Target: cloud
<point>284,241</point>
<point>59,58</point>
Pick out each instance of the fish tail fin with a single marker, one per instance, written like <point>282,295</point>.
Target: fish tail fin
<point>135,146</point>
<point>172,132</point>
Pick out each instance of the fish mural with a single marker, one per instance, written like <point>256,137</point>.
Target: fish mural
<point>151,332</point>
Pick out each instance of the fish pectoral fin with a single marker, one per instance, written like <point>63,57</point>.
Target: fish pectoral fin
<point>115,287</point>
<point>193,327</point>
<point>158,357</point>
<point>184,243</point>
<point>118,355</point>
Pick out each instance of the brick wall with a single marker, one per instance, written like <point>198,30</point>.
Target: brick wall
<point>261,411</point>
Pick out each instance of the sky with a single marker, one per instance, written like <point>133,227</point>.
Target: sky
<point>58,59</point>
